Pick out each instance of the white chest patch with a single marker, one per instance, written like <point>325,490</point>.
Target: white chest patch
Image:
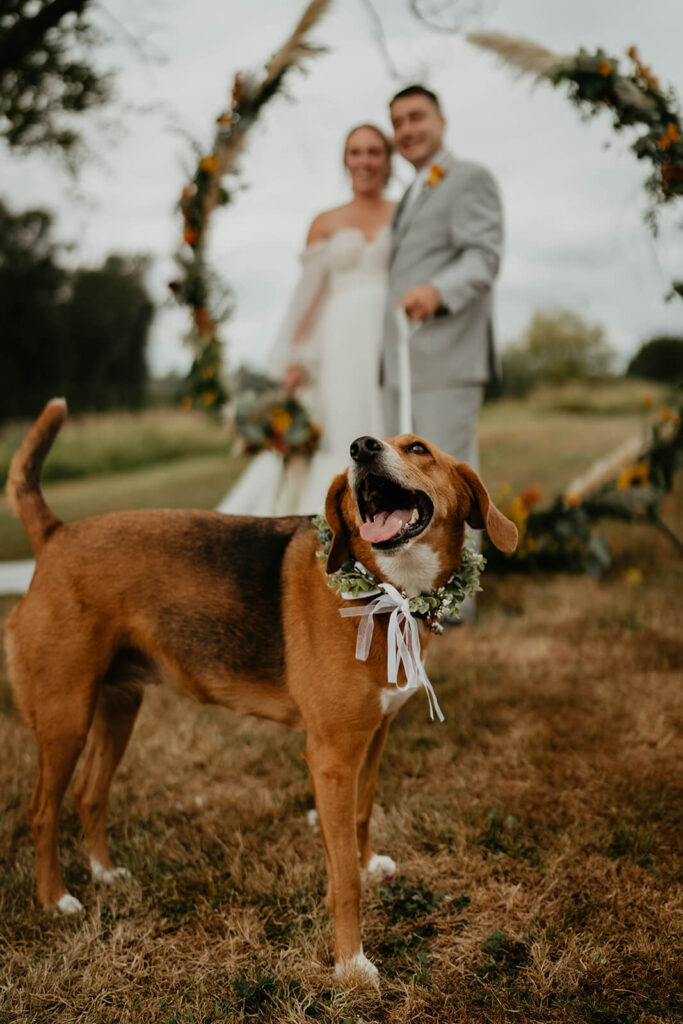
<point>391,698</point>
<point>413,569</point>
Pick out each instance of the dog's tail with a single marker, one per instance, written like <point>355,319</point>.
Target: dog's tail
<point>23,481</point>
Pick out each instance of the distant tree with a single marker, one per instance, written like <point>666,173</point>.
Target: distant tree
<point>31,285</point>
<point>106,320</point>
<point>558,345</point>
<point>46,75</point>
<point>660,359</point>
<point>81,334</point>
<point>519,375</point>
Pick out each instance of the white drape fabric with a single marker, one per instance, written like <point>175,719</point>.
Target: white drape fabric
<point>292,345</point>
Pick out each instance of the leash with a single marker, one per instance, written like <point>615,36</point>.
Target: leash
<point>403,638</point>
<point>404,332</point>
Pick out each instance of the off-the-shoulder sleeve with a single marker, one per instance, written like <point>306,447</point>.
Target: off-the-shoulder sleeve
<point>296,340</point>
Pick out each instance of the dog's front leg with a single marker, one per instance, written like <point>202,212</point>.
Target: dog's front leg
<point>334,770</point>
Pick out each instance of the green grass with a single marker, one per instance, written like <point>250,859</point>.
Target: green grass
<point>537,830</point>
<point>198,482</point>
<point>555,434</point>
<point>161,458</point>
<point>169,459</point>
<point>118,442</point>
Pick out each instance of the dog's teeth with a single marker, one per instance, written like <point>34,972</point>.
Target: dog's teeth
<point>414,517</point>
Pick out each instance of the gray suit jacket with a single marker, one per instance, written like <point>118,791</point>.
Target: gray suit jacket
<point>451,237</point>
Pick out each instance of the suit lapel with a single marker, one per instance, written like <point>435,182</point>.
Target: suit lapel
<point>397,221</point>
<point>403,219</point>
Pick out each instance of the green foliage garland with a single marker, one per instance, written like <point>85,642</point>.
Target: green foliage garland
<point>562,537</point>
<point>205,191</point>
<point>634,97</point>
<point>444,602</point>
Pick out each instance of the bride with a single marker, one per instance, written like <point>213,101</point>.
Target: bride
<point>328,348</point>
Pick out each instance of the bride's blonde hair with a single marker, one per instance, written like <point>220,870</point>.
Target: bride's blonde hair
<point>386,142</point>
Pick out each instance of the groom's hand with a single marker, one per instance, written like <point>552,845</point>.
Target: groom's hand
<point>422,302</point>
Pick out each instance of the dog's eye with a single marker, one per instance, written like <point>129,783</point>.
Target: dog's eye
<point>417,448</point>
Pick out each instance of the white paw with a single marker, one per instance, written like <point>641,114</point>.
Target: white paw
<point>107,876</point>
<point>357,972</point>
<point>312,819</point>
<point>380,869</point>
<point>68,904</point>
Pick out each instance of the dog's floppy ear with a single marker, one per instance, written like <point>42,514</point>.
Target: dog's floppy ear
<point>483,514</point>
<point>339,549</point>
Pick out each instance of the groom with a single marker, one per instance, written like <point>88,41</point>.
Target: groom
<point>447,236</point>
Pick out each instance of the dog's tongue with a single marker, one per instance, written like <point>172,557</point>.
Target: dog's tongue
<point>385,525</point>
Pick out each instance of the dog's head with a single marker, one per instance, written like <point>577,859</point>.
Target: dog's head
<point>403,495</point>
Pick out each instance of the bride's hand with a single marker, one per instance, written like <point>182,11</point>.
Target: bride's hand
<point>295,377</point>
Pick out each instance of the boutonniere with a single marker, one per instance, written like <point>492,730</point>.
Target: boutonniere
<point>436,174</point>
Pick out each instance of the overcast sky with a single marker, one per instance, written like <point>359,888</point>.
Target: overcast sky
<point>572,190</point>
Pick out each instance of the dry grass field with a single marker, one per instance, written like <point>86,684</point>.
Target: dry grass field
<point>537,831</point>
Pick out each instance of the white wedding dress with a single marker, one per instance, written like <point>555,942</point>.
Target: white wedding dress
<point>340,299</point>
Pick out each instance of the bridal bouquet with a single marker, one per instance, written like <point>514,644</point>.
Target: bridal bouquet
<point>265,416</point>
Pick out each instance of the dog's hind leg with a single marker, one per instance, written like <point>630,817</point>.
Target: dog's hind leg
<point>54,669</point>
<point>379,868</point>
<point>112,724</point>
<point>61,727</point>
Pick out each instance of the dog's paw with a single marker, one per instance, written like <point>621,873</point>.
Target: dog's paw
<point>108,876</point>
<point>357,972</point>
<point>312,819</point>
<point>68,904</point>
<point>380,869</point>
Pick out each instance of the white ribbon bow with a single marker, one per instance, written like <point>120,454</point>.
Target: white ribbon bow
<point>403,639</point>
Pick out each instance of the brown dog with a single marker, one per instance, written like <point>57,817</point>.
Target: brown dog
<point>237,611</point>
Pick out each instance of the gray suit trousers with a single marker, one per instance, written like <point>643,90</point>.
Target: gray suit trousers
<point>448,418</point>
<point>445,416</point>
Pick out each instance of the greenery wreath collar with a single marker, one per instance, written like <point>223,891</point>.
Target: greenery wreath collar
<point>353,580</point>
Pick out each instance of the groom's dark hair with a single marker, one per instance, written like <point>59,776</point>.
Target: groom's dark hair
<point>417,90</point>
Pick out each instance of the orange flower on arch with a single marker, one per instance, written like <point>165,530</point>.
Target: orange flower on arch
<point>203,321</point>
<point>531,496</point>
<point>634,476</point>
<point>671,134</point>
<point>671,174</point>
<point>209,164</point>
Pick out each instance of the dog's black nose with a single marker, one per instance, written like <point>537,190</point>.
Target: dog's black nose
<point>364,449</point>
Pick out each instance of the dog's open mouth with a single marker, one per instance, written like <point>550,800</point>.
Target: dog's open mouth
<point>391,514</point>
